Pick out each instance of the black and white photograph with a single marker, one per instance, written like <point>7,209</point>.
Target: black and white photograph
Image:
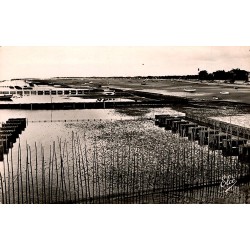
<point>124,124</point>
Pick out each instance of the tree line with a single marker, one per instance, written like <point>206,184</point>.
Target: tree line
<point>227,76</point>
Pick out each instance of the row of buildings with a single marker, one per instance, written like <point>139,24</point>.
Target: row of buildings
<point>24,89</point>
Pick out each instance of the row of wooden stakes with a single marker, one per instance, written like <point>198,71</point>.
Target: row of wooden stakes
<point>9,132</point>
<point>214,138</point>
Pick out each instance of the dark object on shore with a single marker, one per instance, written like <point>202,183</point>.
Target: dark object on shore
<point>9,132</point>
<point>4,97</point>
<point>231,146</point>
<point>244,153</point>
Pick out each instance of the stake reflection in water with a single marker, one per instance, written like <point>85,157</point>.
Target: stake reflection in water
<point>129,167</point>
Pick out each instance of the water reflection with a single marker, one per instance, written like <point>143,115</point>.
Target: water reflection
<point>107,152</point>
<point>82,114</point>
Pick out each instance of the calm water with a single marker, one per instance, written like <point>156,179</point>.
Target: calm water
<point>59,99</point>
<point>43,129</point>
<point>48,128</point>
<point>83,114</point>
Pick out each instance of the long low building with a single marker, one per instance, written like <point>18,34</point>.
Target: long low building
<point>22,88</point>
<point>43,90</point>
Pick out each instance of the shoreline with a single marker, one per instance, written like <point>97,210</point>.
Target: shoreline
<point>145,99</point>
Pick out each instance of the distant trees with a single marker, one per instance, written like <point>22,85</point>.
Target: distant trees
<point>220,75</point>
<point>231,76</point>
<point>238,74</point>
<point>203,75</point>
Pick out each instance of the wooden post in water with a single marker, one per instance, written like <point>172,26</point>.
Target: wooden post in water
<point>73,166</point>
<point>1,150</point>
<point>80,166</point>
<point>2,188</point>
<point>12,179</point>
<point>5,185</point>
<point>37,184</point>
<point>32,179</point>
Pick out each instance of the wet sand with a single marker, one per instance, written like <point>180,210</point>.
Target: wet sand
<point>237,92</point>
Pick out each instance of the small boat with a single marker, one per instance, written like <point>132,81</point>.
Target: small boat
<point>4,97</point>
<point>190,90</point>
<point>109,93</point>
<point>224,93</point>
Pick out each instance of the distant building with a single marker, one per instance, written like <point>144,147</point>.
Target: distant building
<point>42,91</point>
<point>22,88</point>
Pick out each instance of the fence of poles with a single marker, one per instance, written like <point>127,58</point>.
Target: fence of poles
<point>127,170</point>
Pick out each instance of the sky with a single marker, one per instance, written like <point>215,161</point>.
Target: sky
<point>86,61</point>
